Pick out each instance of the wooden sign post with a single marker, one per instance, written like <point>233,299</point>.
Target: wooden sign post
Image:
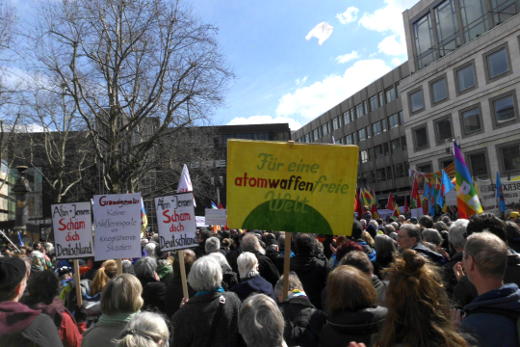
<point>184,281</point>
<point>77,279</point>
<point>286,264</point>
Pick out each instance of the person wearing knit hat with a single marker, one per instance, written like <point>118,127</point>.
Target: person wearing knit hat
<point>20,325</point>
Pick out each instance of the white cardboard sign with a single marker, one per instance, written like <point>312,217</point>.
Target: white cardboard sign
<point>215,216</point>
<point>72,227</point>
<point>176,221</point>
<point>118,226</point>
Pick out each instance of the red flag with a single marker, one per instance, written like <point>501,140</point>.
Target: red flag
<point>357,204</point>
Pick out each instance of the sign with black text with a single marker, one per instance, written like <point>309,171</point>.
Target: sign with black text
<point>72,227</point>
<point>176,221</point>
<point>118,226</point>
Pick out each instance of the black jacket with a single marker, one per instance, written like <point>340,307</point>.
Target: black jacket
<point>267,268</point>
<point>303,322</point>
<point>346,326</point>
<point>256,284</point>
<point>312,272</point>
<point>192,322</point>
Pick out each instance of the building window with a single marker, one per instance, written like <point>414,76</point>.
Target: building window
<point>465,77</point>
<point>423,38</point>
<point>443,130</point>
<point>395,145</point>
<point>470,120</point>
<point>390,94</point>
<point>445,162</point>
<point>425,167</point>
<point>346,117</point>
<point>509,158</point>
<point>325,128</point>
<point>349,140</point>
<point>384,125</point>
<point>362,134</point>
<point>380,175</point>
<point>376,128</point>
<point>374,103</point>
<point>389,173</point>
<point>381,96</point>
<point>503,108</point>
<point>473,18</point>
<point>447,28</point>
<point>364,156</point>
<point>416,101</point>
<point>420,138</point>
<point>403,143</point>
<point>497,63</point>
<point>439,90</point>
<point>335,123</point>
<point>360,110</point>
<point>393,120</point>
<point>478,164</point>
<point>503,9</point>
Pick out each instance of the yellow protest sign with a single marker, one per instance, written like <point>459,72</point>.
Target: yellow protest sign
<point>291,187</point>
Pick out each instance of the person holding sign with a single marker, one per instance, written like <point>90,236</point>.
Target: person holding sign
<point>210,317</point>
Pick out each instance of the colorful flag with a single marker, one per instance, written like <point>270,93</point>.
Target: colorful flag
<point>415,198</point>
<point>499,193</point>
<point>213,205</point>
<point>359,206</point>
<point>391,204</point>
<point>468,202</point>
<point>185,182</point>
<point>446,183</point>
<point>144,218</point>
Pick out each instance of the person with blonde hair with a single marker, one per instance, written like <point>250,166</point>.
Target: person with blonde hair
<point>120,300</point>
<point>145,329</point>
<point>107,271</point>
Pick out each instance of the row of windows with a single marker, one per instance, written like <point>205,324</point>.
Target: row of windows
<point>503,110</point>
<point>387,173</point>
<point>508,158</point>
<point>497,63</point>
<point>363,108</point>
<point>454,22</point>
<point>383,150</point>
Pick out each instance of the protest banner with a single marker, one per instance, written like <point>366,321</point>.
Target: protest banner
<point>176,221</point>
<point>117,218</point>
<point>291,187</point>
<point>72,227</point>
<point>215,216</point>
<point>487,193</point>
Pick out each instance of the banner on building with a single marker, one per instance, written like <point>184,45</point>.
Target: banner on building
<point>72,227</point>
<point>487,193</point>
<point>176,221</point>
<point>117,218</point>
<point>291,187</point>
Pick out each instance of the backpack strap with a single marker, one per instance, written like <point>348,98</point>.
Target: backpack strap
<point>216,318</point>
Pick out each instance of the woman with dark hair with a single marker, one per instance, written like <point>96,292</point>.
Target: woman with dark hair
<point>418,307</point>
<point>43,290</point>
<point>353,314</point>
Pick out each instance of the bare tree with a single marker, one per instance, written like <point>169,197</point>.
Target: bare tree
<point>136,71</point>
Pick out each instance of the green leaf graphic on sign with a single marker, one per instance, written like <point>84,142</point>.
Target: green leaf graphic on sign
<point>278,215</point>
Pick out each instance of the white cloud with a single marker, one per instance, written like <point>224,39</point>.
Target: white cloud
<point>259,119</point>
<point>345,58</point>
<point>392,45</point>
<point>301,81</point>
<point>315,99</point>
<point>389,19</point>
<point>322,32</point>
<point>397,61</point>
<point>349,16</point>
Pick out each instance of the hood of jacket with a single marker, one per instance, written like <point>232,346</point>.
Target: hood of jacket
<point>506,298</point>
<point>434,256</point>
<point>362,321</point>
<point>15,317</point>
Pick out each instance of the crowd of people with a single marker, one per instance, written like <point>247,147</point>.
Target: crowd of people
<point>400,282</point>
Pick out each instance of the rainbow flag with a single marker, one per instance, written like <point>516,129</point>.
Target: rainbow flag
<point>468,202</point>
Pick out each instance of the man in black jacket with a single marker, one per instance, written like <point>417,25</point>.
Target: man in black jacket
<point>20,325</point>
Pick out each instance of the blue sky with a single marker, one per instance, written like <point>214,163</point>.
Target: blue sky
<point>295,59</point>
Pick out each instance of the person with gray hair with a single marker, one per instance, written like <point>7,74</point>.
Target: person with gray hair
<point>266,267</point>
<point>457,239</point>
<point>210,316</point>
<point>229,277</point>
<point>432,236</point>
<point>303,321</point>
<point>154,291</point>
<point>261,323</point>
<point>386,250</point>
<point>145,329</point>
<point>250,279</point>
<point>211,245</point>
<point>492,315</point>
<point>409,237</point>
